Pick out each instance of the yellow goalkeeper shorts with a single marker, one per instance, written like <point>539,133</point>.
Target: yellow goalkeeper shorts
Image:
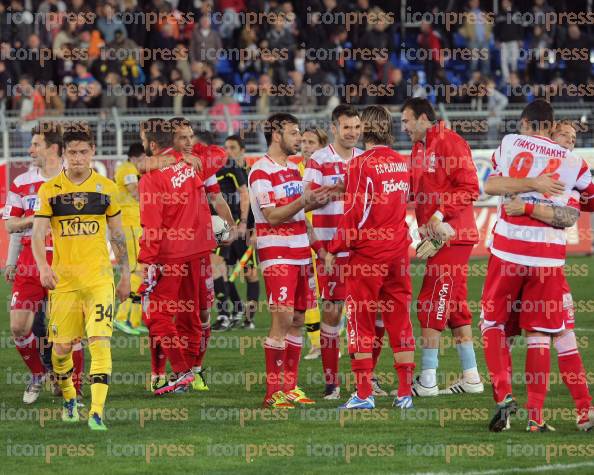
<point>87,311</point>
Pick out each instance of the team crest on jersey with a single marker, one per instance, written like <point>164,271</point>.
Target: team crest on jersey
<point>79,201</point>
<point>31,189</point>
<point>99,188</point>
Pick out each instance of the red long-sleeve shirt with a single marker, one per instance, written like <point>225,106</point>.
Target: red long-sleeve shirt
<point>174,211</point>
<point>374,221</point>
<point>445,182</point>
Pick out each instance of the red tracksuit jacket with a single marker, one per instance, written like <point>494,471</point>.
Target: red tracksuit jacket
<point>374,221</point>
<point>174,211</point>
<point>444,180</point>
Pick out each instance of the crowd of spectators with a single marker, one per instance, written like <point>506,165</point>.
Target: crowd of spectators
<point>234,56</point>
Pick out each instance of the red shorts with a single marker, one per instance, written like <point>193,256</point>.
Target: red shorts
<point>512,327</point>
<point>332,284</point>
<point>378,287</point>
<point>181,291</point>
<point>289,285</point>
<point>534,293</point>
<point>27,291</point>
<point>442,300</point>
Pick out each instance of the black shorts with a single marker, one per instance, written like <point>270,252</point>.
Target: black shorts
<point>233,253</point>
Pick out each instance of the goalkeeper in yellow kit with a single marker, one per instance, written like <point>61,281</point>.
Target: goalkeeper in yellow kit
<point>129,314</point>
<point>78,206</point>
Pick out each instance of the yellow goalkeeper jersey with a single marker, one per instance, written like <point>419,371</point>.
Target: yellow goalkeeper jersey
<point>126,174</point>
<point>78,219</point>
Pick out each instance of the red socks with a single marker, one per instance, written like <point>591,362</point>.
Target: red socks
<point>78,359</point>
<point>330,347</point>
<point>293,345</point>
<point>158,359</point>
<point>378,341</point>
<point>538,367</point>
<point>175,352</point>
<point>204,339</point>
<point>275,362</point>
<point>498,361</point>
<point>405,377</point>
<point>363,370</point>
<point>572,370</point>
<point>28,348</point>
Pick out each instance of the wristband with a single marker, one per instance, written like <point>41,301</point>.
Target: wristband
<point>317,247</point>
<point>529,209</point>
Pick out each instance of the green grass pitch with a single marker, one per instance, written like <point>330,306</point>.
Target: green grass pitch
<point>225,431</point>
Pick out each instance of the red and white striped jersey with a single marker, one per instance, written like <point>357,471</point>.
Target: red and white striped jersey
<point>522,239</point>
<point>22,198</point>
<point>211,184</point>
<point>326,168</point>
<point>271,184</point>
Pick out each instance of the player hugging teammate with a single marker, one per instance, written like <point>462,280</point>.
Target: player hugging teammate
<point>525,288</point>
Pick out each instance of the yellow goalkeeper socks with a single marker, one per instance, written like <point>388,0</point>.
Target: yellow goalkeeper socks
<point>135,315</point>
<point>63,365</point>
<point>123,310</point>
<point>135,306</point>
<point>98,393</point>
<point>312,325</point>
<point>100,372</point>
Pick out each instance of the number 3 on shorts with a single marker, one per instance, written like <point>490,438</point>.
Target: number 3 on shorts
<point>283,294</point>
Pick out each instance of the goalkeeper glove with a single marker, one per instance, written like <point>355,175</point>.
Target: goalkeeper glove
<point>152,274</point>
<point>428,248</point>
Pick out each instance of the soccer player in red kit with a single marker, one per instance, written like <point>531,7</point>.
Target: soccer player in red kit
<point>283,238</point>
<point>527,258</point>
<point>373,230</point>
<point>569,359</point>
<point>176,243</point>
<point>184,141</point>
<point>444,187</point>
<point>327,166</point>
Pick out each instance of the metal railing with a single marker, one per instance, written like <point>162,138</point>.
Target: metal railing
<point>115,129</point>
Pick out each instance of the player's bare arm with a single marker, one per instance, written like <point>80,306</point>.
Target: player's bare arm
<point>557,216</point>
<point>133,190</point>
<point>157,162</point>
<point>314,242</point>
<point>14,249</point>
<point>502,185</point>
<point>279,214</point>
<point>222,209</point>
<point>17,225</point>
<point>319,197</point>
<point>47,276</point>
<point>118,243</point>
<point>244,210</point>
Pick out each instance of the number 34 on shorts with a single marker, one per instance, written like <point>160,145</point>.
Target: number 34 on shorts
<point>84,312</point>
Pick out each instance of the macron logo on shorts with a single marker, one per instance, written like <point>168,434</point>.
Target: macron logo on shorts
<point>441,296</point>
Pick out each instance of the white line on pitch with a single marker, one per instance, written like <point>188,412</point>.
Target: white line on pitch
<point>537,469</point>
